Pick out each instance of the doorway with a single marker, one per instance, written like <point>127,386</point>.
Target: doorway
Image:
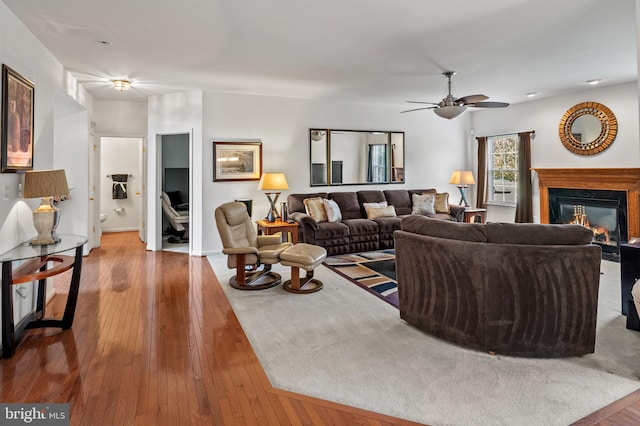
<point>121,185</point>
<point>175,193</point>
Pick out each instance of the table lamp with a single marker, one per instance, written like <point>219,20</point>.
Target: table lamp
<point>462,178</point>
<point>45,184</point>
<point>272,183</point>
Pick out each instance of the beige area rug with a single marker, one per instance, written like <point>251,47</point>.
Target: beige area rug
<point>344,344</point>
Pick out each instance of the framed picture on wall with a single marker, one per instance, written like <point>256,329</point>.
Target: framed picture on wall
<point>234,161</point>
<point>17,121</point>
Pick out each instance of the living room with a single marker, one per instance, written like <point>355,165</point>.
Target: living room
<point>68,119</point>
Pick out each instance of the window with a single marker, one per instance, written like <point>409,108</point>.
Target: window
<point>502,175</point>
<point>377,170</point>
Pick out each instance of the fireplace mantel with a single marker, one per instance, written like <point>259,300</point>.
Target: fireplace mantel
<point>622,179</point>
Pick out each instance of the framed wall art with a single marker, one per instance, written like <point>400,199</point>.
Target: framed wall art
<point>234,161</point>
<point>17,121</point>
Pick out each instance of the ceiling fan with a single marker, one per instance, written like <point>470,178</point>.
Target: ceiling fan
<point>451,107</point>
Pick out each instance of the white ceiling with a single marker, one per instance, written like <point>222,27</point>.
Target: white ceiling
<point>380,51</point>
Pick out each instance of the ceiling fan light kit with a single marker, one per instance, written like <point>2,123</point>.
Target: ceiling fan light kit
<point>450,111</point>
<point>451,107</point>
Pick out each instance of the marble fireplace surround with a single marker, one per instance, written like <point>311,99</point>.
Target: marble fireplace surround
<point>619,179</point>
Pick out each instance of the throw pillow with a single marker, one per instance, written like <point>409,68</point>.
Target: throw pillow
<point>376,212</point>
<point>441,204</point>
<point>332,210</point>
<point>315,208</point>
<point>368,206</point>
<point>423,204</point>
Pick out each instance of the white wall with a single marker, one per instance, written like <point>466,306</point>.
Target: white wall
<point>120,118</point>
<point>547,150</point>
<point>71,153</point>
<point>434,147</point>
<point>178,113</point>
<point>20,50</point>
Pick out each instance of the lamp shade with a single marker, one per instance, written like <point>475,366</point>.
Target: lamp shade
<point>45,183</point>
<point>450,111</point>
<point>273,182</point>
<point>462,177</point>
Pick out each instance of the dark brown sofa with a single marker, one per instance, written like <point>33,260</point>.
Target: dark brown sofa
<point>355,233</point>
<point>515,289</point>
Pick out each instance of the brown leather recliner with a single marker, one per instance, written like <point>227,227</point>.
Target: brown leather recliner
<point>245,248</point>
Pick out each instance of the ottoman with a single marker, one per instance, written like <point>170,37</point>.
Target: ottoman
<point>307,257</point>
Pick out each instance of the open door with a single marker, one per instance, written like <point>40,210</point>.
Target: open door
<point>142,192</point>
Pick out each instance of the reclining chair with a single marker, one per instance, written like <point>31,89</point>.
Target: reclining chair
<point>179,220</point>
<point>245,248</point>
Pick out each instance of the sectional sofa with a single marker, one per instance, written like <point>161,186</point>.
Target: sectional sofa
<point>354,232</point>
<point>514,289</point>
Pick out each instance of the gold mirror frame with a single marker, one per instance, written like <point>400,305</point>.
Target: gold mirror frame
<point>608,128</point>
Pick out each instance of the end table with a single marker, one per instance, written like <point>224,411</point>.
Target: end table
<point>474,215</point>
<point>269,228</point>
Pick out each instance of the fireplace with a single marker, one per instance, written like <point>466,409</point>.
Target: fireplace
<point>601,201</point>
<point>602,211</point>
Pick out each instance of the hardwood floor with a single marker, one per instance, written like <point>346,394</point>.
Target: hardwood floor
<point>155,342</point>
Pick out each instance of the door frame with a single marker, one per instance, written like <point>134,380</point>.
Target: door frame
<point>98,141</point>
<point>155,207</point>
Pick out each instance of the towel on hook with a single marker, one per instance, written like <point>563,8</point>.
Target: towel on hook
<point>119,191</point>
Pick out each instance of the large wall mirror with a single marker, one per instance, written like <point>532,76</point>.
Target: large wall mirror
<point>355,157</point>
<point>588,128</point>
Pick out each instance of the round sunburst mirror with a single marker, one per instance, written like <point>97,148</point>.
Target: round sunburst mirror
<point>588,128</point>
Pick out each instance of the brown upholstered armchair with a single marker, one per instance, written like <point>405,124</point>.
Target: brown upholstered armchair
<point>245,248</point>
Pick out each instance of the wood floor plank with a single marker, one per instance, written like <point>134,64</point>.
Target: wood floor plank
<point>155,341</point>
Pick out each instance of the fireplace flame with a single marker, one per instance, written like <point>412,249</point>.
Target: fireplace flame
<point>580,218</point>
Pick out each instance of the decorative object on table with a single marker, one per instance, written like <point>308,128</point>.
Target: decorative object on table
<point>45,184</point>
<point>119,189</point>
<point>234,161</point>
<point>17,121</point>
<point>451,107</point>
<point>462,179</point>
<point>588,128</point>
<point>272,183</point>
<point>284,214</point>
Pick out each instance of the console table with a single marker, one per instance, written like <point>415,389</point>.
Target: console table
<point>37,268</point>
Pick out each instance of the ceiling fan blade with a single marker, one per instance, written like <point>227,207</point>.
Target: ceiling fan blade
<point>421,102</point>
<point>417,109</point>
<point>471,99</point>
<point>489,105</point>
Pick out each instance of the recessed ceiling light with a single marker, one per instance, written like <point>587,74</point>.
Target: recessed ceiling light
<point>532,94</point>
<point>593,82</point>
<point>103,42</point>
<point>121,85</point>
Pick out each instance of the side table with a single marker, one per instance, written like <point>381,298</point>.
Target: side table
<point>474,215</point>
<point>629,274</point>
<point>36,268</point>
<point>269,228</point>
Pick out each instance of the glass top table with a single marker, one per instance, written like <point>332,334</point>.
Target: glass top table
<point>42,262</point>
<point>27,251</point>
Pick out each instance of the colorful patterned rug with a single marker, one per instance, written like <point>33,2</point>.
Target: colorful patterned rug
<point>375,271</point>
